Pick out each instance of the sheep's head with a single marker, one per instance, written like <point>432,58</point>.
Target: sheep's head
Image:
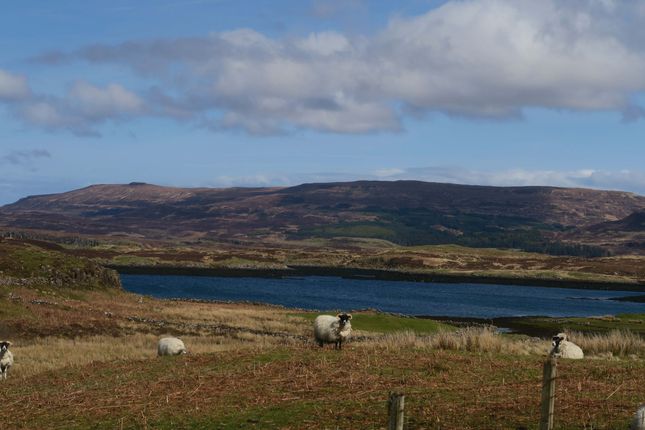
<point>559,338</point>
<point>344,318</point>
<point>4,345</point>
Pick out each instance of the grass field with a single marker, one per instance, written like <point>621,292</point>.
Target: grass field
<point>85,357</point>
<point>256,367</point>
<point>300,386</point>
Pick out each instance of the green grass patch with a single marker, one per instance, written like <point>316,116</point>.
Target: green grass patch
<point>599,324</point>
<point>386,323</point>
<point>276,416</point>
<point>134,260</point>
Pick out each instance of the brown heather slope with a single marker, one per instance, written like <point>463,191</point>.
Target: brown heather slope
<point>404,212</point>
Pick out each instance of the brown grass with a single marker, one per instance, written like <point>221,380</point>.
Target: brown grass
<point>476,339</point>
<point>302,387</point>
<point>52,353</point>
<point>256,367</point>
<point>615,342</point>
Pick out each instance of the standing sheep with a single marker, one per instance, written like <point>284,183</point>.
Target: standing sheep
<point>562,348</point>
<point>329,329</point>
<point>638,423</point>
<point>170,346</point>
<point>6,358</point>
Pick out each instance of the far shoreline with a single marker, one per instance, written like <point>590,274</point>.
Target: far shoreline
<point>375,274</point>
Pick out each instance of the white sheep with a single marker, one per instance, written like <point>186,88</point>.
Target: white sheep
<point>170,346</point>
<point>638,423</point>
<point>562,348</point>
<point>329,329</point>
<point>6,358</point>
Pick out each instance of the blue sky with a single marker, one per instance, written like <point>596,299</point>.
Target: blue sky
<point>241,93</point>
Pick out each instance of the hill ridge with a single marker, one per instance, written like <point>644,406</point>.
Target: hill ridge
<point>405,212</point>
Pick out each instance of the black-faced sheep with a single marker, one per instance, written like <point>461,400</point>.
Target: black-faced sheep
<point>170,346</point>
<point>562,348</point>
<point>638,422</point>
<point>329,329</point>
<point>6,358</point>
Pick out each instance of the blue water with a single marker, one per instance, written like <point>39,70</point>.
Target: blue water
<point>411,298</point>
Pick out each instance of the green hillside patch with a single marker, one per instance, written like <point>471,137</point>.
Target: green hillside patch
<point>386,323</point>
<point>34,266</point>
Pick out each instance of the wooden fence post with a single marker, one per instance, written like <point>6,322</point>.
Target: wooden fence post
<point>395,406</point>
<point>548,394</point>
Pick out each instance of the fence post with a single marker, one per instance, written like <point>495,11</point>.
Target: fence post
<point>548,394</point>
<point>395,405</point>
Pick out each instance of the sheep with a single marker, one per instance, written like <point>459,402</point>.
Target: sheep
<point>638,422</point>
<point>329,329</point>
<point>170,346</point>
<point>562,348</point>
<point>6,358</point>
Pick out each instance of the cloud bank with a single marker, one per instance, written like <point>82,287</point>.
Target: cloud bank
<point>468,58</point>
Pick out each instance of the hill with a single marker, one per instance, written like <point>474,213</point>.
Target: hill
<point>42,265</point>
<point>543,219</point>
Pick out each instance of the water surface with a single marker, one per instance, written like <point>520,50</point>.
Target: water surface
<point>410,298</point>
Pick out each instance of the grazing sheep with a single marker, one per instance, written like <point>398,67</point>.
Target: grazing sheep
<point>562,348</point>
<point>638,423</point>
<point>6,358</point>
<point>329,329</point>
<point>170,346</point>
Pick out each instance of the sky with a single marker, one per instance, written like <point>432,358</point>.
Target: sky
<point>219,93</point>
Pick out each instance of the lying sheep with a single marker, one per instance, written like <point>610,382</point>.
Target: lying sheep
<point>170,346</point>
<point>638,422</point>
<point>329,329</point>
<point>562,348</point>
<point>6,358</point>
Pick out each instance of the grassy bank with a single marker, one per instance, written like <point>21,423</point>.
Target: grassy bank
<point>348,256</point>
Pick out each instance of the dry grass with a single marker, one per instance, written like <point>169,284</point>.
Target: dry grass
<point>51,353</point>
<point>302,387</point>
<point>468,339</point>
<point>41,355</point>
<point>255,367</point>
<point>616,342</point>
<point>252,317</point>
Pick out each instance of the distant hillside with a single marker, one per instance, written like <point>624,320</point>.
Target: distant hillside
<point>545,219</point>
<point>626,234</point>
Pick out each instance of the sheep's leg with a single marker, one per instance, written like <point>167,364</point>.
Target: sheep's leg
<point>320,343</point>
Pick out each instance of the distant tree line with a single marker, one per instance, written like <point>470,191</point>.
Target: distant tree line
<point>410,227</point>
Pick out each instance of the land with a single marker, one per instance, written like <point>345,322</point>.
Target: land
<point>86,358</point>
<point>557,221</point>
<point>86,349</point>
<point>392,230</point>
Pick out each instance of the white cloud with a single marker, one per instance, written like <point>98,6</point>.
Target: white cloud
<point>113,100</point>
<point>473,58</point>
<point>13,87</point>
<point>325,43</point>
<point>81,109</point>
